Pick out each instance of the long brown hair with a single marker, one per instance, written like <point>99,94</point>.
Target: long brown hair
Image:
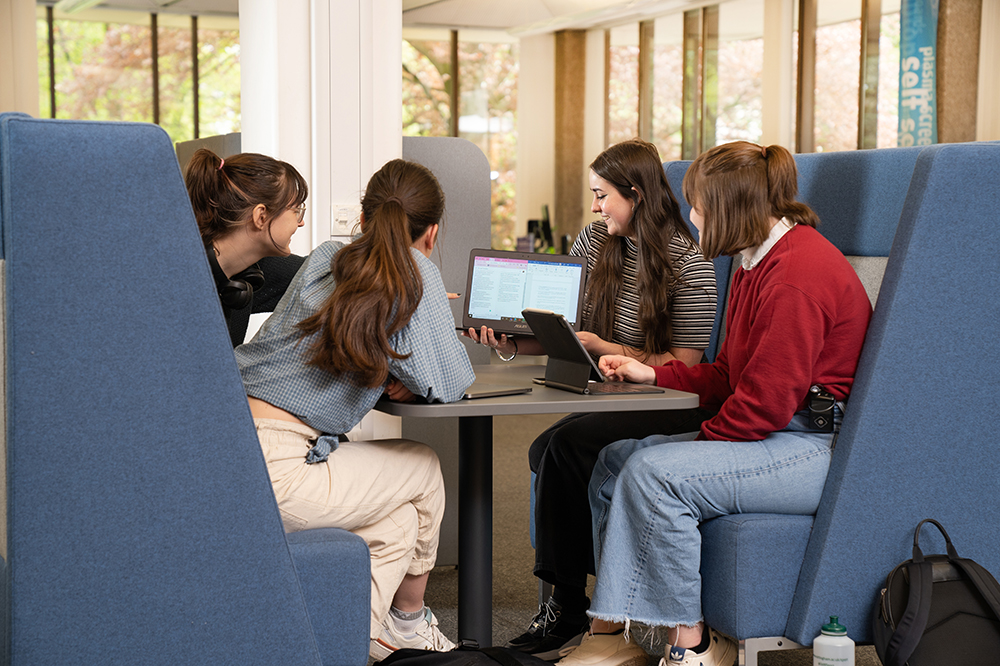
<point>377,281</point>
<point>737,187</point>
<point>224,192</point>
<point>633,167</point>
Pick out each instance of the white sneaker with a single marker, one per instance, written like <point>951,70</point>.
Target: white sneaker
<point>722,651</point>
<point>426,636</point>
<point>604,650</point>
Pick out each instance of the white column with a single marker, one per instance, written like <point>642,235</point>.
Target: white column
<point>275,90</point>
<point>779,74</point>
<point>18,57</point>
<point>536,126</point>
<point>358,107</point>
<point>321,90</point>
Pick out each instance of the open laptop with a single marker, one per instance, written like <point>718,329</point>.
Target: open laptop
<point>501,283</point>
<point>570,366</point>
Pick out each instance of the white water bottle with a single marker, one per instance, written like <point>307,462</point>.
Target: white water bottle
<point>832,647</point>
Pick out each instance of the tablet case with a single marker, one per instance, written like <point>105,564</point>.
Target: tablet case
<point>570,366</point>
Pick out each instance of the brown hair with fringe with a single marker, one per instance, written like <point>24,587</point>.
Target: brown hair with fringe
<point>224,192</point>
<point>634,169</point>
<point>738,187</point>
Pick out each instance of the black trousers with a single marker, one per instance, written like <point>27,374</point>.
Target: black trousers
<point>563,458</point>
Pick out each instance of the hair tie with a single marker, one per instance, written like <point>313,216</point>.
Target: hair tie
<point>221,162</point>
<point>763,152</point>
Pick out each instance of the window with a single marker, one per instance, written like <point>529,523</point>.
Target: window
<point>486,68</point>
<point>218,79</point>
<point>741,66</point>
<point>668,85</point>
<point>487,117</point>
<point>103,70</point>
<point>888,81</point>
<point>838,63</point>
<point>176,76</point>
<point>623,84</point>
<point>427,84</point>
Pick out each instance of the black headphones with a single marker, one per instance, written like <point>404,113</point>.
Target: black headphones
<point>236,292</point>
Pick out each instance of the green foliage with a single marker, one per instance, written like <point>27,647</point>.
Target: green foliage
<point>488,111</point>
<point>104,71</point>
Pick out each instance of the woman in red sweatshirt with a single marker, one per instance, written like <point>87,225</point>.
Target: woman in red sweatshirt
<point>795,326</point>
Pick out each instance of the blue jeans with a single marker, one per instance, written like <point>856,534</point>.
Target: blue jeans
<point>647,497</point>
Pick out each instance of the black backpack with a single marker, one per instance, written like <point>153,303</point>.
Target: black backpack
<point>466,653</point>
<point>939,609</point>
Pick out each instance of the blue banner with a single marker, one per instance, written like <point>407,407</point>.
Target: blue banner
<point>918,72</point>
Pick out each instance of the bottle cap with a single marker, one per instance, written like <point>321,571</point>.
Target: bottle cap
<point>834,628</point>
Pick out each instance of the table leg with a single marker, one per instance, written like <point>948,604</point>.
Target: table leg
<point>475,529</point>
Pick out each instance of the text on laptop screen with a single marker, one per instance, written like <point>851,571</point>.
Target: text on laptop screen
<point>503,286</point>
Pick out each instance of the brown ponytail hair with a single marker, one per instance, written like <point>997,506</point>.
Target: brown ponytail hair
<point>634,169</point>
<point>224,192</point>
<point>378,282</point>
<point>738,187</point>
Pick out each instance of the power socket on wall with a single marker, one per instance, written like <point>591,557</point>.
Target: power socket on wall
<point>344,219</point>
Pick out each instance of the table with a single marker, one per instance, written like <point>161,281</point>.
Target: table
<point>475,467</point>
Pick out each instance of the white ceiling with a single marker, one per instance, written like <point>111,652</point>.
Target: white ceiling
<point>519,17</point>
<point>477,14</point>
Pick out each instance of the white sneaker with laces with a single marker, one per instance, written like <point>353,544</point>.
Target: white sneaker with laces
<point>604,650</point>
<point>722,651</point>
<point>426,636</point>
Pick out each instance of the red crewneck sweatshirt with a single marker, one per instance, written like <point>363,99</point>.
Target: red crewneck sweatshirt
<point>796,319</point>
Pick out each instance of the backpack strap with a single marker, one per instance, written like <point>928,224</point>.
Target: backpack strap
<point>910,627</point>
<point>984,582</point>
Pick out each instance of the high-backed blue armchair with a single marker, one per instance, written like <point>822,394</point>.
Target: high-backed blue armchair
<point>141,525</point>
<point>918,438</point>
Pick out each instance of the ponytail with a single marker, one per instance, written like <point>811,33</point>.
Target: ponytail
<point>738,187</point>
<point>783,187</point>
<point>224,192</point>
<point>378,284</point>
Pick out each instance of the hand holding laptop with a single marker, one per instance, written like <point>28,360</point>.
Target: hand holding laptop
<point>626,369</point>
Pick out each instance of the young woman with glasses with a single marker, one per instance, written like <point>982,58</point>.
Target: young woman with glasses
<point>247,207</point>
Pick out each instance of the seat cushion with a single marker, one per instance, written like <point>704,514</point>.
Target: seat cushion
<point>749,568</point>
<point>335,572</point>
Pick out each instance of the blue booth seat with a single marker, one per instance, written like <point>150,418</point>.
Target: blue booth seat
<point>917,440</point>
<point>141,524</point>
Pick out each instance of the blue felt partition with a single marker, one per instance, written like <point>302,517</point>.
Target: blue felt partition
<point>141,526</point>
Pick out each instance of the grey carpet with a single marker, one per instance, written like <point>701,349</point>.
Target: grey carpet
<point>515,589</point>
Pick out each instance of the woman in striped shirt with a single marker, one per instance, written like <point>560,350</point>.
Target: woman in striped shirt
<point>651,295</point>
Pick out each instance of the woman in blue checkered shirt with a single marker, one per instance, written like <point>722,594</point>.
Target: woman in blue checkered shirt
<point>357,321</point>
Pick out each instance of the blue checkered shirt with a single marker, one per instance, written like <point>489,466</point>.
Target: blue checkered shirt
<point>274,368</point>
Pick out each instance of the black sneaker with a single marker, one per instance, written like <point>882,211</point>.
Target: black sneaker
<point>550,632</point>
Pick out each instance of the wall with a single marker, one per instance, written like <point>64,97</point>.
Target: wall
<point>535,128</point>
<point>18,57</point>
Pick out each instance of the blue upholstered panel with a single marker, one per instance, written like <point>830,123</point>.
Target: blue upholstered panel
<point>335,570</point>
<point>723,265</point>
<point>142,527</point>
<point>919,437</point>
<point>749,568</point>
<point>858,195</point>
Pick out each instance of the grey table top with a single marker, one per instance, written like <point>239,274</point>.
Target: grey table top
<point>541,400</point>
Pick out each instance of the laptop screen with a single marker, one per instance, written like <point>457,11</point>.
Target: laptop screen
<point>501,284</point>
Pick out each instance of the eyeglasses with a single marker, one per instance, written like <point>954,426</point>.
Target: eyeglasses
<point>300,213</point>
